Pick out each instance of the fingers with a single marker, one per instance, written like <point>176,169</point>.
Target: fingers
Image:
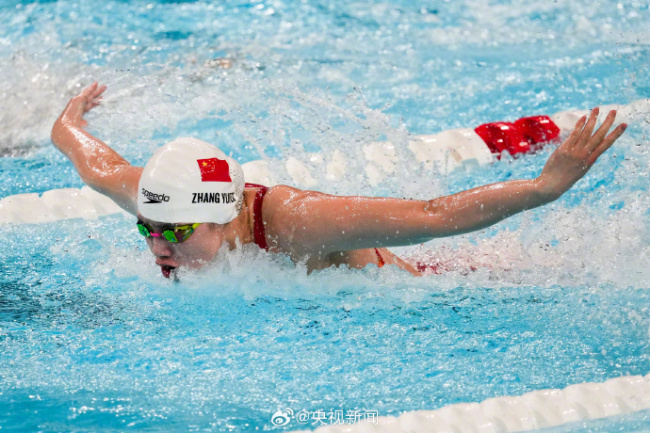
<point>573,138</point>
<point>98,91</point>
<point>93,91</point>
<point>602,131</point>
<point>587,140</point>
<point>91,96</point>
<point>607,142</point>
<point>589,128</point>
<point>91,105</point>
<point>88,91</point>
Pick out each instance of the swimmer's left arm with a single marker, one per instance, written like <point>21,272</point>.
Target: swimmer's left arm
<point>325,224</point>
<point>99,166</point>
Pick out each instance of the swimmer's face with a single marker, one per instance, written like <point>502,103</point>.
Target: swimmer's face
<point>197,250</point>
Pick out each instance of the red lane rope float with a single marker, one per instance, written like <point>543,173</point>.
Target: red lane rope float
<point>538,129</point>
<point>517,137</point>
<point>500,136</point>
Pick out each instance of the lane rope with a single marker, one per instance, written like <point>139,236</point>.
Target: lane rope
<point>458,149</point>
<point>530,411</point>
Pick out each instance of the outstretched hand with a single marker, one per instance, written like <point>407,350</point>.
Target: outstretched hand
<point>85,101</point>
<point>573,159</point>
<point>93,95</point>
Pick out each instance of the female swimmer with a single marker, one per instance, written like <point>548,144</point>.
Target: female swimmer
<point>190,199</point>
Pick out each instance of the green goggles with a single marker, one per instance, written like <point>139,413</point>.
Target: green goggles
<point>175,234</point>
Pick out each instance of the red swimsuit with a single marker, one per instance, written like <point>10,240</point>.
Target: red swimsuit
<point>258,223</point>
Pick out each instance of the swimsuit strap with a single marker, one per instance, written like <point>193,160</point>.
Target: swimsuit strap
<point>380,259</point>
<point>258,222</point>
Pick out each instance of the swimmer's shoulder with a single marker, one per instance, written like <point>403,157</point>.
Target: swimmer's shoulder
<point>284,197</point>
<point>279,198</point>
<point>282,210</point>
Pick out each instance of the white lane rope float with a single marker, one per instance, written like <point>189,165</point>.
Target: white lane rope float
<point>458,149</point>
<point>531,411</point>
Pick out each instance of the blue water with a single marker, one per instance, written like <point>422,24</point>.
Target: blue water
<point>92,338</point>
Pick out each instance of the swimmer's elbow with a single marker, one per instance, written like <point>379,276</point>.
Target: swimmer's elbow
<point>93,181</point>
<point>119,184</point>
<point>65,137</point>
<point>438,221</point>
<point>57,133</point>
<point>102,178</point>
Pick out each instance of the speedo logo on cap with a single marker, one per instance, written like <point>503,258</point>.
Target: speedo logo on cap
<point>153,197</point>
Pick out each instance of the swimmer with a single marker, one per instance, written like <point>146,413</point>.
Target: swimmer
<point>190,199</point>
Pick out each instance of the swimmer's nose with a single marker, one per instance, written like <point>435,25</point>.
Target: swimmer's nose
<point>161,247</point>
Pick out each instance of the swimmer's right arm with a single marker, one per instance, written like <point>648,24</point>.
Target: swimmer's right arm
<point>99,166</point>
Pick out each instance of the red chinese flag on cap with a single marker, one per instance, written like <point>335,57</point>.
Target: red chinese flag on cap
<point>214,170</point>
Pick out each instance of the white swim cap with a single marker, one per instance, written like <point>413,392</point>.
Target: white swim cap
<point>191,181</point>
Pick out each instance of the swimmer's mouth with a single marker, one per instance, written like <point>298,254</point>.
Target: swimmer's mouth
<point>166,270</point>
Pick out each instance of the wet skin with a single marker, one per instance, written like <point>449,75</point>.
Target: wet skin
<point>194,252</point>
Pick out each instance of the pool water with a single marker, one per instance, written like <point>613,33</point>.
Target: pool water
<point>93,338</point>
